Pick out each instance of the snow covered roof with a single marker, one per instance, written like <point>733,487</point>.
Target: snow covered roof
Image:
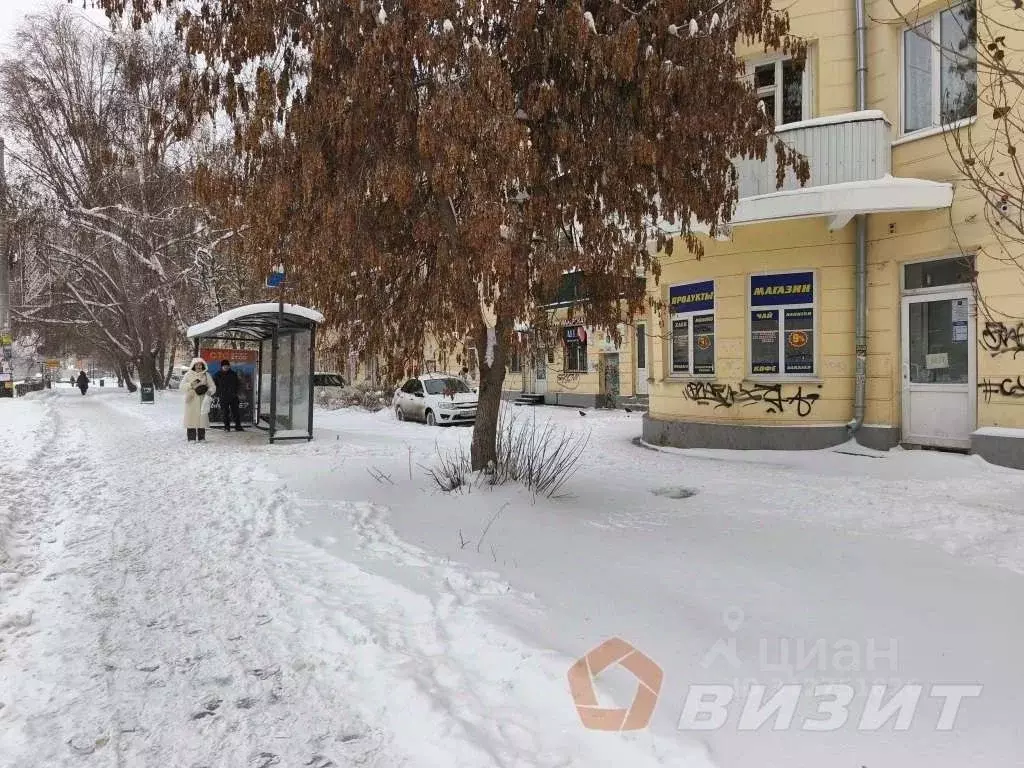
<point>258,321</point>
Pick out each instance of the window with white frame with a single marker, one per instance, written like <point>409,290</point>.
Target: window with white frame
<point>782,86</point>
<point>940,69</point>
<point>692,319</point>
<point>782,324</point>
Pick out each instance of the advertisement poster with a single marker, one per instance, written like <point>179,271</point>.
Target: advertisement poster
<point>244,363</point>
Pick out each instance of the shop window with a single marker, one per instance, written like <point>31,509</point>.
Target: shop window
<point>692,318</point>
<point>575,339</point>
<point>940,69</point>
<point>782,324</point>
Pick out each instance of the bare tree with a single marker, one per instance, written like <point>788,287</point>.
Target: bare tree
<point>120,251</point>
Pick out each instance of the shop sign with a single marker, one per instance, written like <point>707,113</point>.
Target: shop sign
<point>775,290</point>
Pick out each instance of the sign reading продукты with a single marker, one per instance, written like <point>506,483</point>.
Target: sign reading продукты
<point>790,288</point>
<point>692,297</point>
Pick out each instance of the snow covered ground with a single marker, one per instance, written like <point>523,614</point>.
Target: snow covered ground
<point>239,604</point>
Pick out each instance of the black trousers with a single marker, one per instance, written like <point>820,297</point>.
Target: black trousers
<point>231,408</point>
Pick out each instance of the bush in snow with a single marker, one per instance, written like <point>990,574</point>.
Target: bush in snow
<point>541,457</point>
<point>361,395</point>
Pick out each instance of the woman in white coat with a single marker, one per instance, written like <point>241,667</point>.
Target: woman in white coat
<point>198,386</point>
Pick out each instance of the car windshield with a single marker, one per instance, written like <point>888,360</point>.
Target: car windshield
<point>441,386</point>
<point>328,380</point>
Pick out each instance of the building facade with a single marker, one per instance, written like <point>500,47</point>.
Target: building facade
<point>867,303</point>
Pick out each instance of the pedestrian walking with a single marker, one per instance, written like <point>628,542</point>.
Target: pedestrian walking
<point>83,382</point>
<point>228,386</point>
<point>199,387</point>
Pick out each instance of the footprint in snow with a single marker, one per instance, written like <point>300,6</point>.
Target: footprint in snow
<point>209,709</point>
<point>265,760</point>
<point>264,673</point>
<point>247,702</point>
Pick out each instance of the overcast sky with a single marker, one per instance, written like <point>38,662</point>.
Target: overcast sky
<point>13,11</point>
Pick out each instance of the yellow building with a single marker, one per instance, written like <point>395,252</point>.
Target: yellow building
<point>864,304</point>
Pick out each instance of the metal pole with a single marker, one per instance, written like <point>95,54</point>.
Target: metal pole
<point>312,374</point>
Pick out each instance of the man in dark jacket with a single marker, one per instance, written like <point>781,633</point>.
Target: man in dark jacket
<point>228,387</point>
<point>83,381</point>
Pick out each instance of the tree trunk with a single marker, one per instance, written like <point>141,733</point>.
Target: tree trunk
<point>126,376</point>
<point>148,373</point>
<point>483,451</point>
<point>170,366</point>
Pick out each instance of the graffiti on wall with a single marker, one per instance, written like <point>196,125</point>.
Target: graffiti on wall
<point>568,379</point>
<point>1008,387</point>
<point>769,395</point>
<point>1002,339</point>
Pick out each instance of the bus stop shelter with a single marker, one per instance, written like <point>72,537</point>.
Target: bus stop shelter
<point>285,337</point>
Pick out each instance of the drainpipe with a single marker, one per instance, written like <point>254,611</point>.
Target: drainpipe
<point>861,300</point>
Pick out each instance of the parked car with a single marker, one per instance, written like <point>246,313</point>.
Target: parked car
<point>438,399</point>
<point>327,386</point>
<point>177,375</point>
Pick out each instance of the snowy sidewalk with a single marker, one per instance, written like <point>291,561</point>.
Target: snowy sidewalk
<point>158,610</point>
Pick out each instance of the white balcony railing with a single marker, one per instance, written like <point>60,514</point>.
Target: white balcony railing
<point>855,146</point>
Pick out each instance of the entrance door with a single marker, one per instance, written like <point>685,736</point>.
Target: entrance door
<point>540,371</point>
<point>641,358</point>
<point>939,390</point>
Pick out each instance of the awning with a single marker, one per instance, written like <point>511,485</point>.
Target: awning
<point>257,321</point>
<point>837,202</point>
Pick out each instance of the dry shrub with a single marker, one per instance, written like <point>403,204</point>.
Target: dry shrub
<point>540,457</point>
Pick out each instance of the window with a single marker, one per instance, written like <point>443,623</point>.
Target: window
<point>641,347</point>
<point>575,338</point>
<point>934,274</point>
<point>782,324</point>
<point>782,87</point>
<point>940,69</point>
<point>444,386</point>
<point>692,316</point>
<point>515,362</point>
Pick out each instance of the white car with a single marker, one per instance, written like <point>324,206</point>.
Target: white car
<point>437,399</point>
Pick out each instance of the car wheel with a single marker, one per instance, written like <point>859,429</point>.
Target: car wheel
<point>431,419</point>
<point>399,414</point>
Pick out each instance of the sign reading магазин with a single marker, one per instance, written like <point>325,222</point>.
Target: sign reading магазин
<point>789,288</point>
<point>691,297</point>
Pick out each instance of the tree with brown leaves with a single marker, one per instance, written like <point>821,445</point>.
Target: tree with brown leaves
<point>435,166</point>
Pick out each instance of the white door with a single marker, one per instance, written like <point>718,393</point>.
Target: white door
<point>939,374</point>
<point>540,371</point>
<point>641,358</point>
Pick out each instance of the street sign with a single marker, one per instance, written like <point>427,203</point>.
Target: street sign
<point>6,339</point>
<point>53,365</point>
<point>276,278</point>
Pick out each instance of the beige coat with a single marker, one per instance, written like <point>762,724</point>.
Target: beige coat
<point>197,406</point>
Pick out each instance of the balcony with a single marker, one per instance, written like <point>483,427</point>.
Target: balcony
<point>840,149</point>
<point>850,157</point>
